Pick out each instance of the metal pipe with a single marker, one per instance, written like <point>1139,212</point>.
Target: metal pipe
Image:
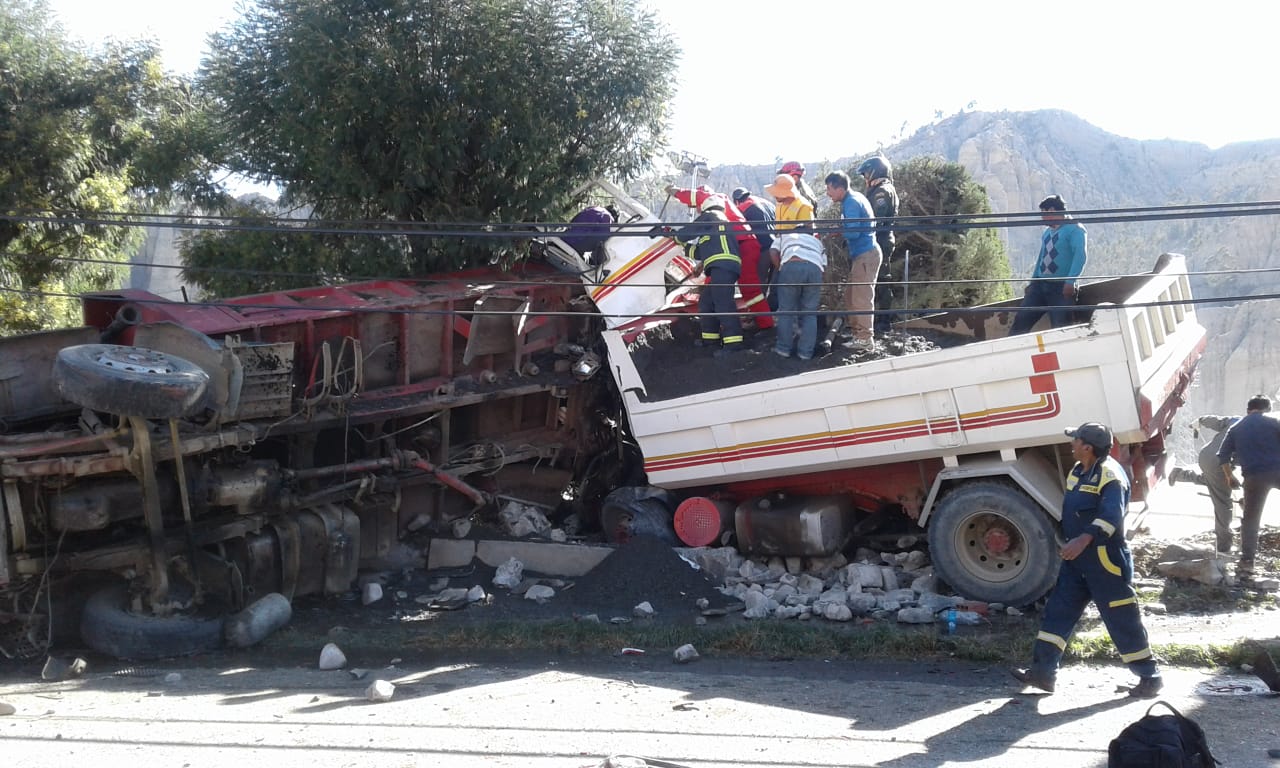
<point>453,482</point>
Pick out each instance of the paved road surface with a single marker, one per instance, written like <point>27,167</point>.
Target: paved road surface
<point>573,712</point>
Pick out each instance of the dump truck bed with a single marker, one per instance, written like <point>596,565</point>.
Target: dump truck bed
<point>1125,367</point>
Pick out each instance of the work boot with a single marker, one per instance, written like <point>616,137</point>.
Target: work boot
<point>1033,678</point>
<point>1147,688</point>
<point>1265,667</point>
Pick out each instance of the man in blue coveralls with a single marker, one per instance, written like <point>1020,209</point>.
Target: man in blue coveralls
<point>1096,565</point>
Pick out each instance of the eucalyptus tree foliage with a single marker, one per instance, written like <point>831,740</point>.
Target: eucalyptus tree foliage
<point>932,187</point>
<point>83,135</point>
<point>439,111</point>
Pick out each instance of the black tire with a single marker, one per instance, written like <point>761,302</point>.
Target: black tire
<point>992,542</point>
<point>108,626</point>
<point>130,381</point>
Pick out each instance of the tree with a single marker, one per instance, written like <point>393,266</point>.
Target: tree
<point>82,135</point>
<point>934,188</point>
<point>413,111</point>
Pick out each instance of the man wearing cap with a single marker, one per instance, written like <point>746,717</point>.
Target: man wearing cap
<point>748,249</point>
<point>864,258</point>
<point>1254,443</point>
<point>791,208</point>
<point>1096,565</point>
<point>760,214</point>
<point>709,241</point>
<point>1063,253</point>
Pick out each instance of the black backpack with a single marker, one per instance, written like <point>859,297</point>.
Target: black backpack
<point>1161,741</point>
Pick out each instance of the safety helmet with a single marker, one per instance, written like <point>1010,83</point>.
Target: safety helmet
<point>792,168</point>
<point>875,168</point>
<point>712,201</point>
<point>740,194</point>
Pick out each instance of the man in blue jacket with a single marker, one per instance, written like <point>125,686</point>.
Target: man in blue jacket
<point>1096,565</point>
<point>1254,442</point>
<point>1063,252</point>
<point>864,258</point>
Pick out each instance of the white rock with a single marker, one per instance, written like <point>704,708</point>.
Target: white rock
<point>837,596</point>
<point>509,574</point>
<point>1013,611</point>
<point>837,612</point>
<point>523,520</point>
<point>357,673</point>
<point>862,604</point>
<point>439,584</point>
<point>789,580</point>
<point>869,576</point>
<point>808,585</point>
<point>699,621</point>
<point>558,535</point>
<point>924,583</point>
<point>757,603</point>
<point>476,594</point>
<point>916,559</point>
<point>539,592</point>
<point>789,612</point>
<point>380,690</point>
<point>332,657</point>
<point>173,678</point>
<point>915,616</point>
<point>460,527</point>
<point>798,600</point>
<point>685,654</point>
<point>888,577</point>
<point>371,593</point>
<point>907,542</point>
<point>783,593</point>
<point>453,593</point>
<point>7,709</point>
<point>935,602</point>
<point>419,521</point>
<point>402,595</point>
<point>901,595</point>
<point>1206,571</point>
<point>702,603</point>
<point>794,565</point>
<point>825,565</point>
<point>888,606</point>
<point>1158,609</point>
<point>643,610</point>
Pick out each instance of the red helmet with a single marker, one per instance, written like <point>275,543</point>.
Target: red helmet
<point>792,168</point>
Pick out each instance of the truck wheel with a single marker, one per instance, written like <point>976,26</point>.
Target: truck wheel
<point>108,626</point>
<point>992,542</point>
<point>130,381</point>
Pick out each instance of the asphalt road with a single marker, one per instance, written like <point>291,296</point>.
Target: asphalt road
<point>570,712</point>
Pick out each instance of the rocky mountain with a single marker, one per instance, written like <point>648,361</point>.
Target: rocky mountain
<point>1021,157</point>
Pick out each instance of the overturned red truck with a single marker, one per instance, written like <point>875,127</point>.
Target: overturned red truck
<point>168,462</point>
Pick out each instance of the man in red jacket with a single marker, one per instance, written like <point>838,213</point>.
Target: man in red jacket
<point>748,248</point>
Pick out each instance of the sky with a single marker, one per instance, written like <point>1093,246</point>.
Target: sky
<point>813,80</point>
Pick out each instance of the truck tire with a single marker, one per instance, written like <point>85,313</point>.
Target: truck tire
<point>108,626</point>
<point>130,381</point>
<point>992,542</point>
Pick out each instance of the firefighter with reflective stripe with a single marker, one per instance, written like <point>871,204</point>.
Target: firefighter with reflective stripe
<point>709,241</point>
<point>748,248</point>
<point>1096,565</point>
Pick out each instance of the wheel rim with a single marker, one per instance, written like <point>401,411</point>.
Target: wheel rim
<point>991,547</point>
<point>134,360</point>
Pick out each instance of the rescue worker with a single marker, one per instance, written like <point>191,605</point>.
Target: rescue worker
<point>878,174</point>
<point>1096,565</point>
<point>1254,443</point>
<point>761,214</point>
<point>796,171</point>
<point>709,241</point>
<point>748,249</point>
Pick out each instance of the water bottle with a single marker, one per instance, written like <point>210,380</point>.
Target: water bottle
<point>951,621</point>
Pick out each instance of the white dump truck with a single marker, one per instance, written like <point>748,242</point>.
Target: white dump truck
<point>168,462</point>
<point>965,440</point>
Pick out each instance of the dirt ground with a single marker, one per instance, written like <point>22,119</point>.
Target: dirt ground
<point>672,366</point>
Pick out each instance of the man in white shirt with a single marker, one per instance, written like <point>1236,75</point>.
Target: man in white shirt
<point>800,261</point>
